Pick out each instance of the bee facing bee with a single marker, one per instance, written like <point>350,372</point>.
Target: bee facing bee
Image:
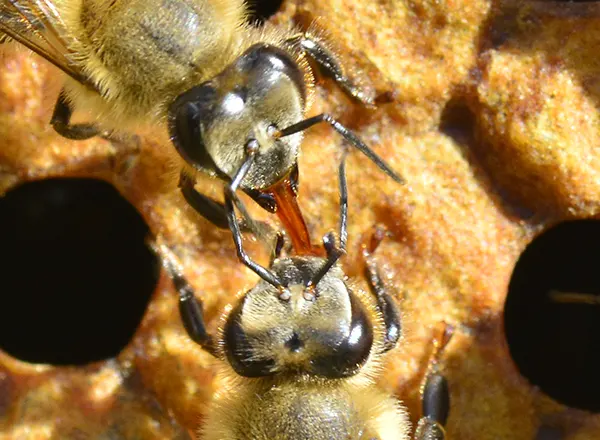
<point>232,97</point>
<point>301,354</point>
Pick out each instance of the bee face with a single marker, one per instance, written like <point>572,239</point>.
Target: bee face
<point>263,90</point>
<point>327,334</point>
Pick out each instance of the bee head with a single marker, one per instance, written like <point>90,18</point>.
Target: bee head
<point>260,92</point>
<point>324,332</point>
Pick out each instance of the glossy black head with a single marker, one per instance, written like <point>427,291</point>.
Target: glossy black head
<point>210,124</point>
<point>329,335</point>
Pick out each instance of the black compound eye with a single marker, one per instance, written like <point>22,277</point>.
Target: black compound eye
<point>239,351</point>
<point>186,114</point>
<point>262,61</point>
<point>348,357</point>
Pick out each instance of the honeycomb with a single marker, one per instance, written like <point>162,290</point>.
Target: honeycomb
<point>489,109</point>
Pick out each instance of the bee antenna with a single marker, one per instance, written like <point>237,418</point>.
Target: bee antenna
<point>191,308</point>
<point>333,252</point>
<point>333,255</point>
<point>348,135</point>
<point>231,200</point>
<point>343,233</point>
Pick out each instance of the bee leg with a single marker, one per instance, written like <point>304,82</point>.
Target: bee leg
<point>216,213</point>
<point>190,307</point>
<point>385,302</point>
<point>61,121</point>
<point>346,134</point>
<point>436,405</point>
<point>387,306</point>
<point>208,208</point>
<point>435,398</point>
<point>330,66</point>
<point>231,199</point>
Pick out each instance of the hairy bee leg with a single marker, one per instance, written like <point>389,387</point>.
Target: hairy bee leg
<point>231,199</point>
<point>348,135</point>
<point>190,307</point>
<point>330,66</point>
<point>435,399</point>
<point>61,122</point>
<point>385,302</point>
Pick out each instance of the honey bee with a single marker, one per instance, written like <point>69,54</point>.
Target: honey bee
<point>300,357</point>
<point>232,97</point>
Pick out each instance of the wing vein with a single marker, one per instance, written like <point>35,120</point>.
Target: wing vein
<point>38,25</point>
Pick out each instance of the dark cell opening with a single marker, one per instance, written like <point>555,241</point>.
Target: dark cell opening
<point>552,314</point>
<point>75,275</point>
<point>457,121</point>
<point>262,10</point>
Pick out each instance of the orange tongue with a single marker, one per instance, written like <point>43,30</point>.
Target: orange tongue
<point>290,215</point>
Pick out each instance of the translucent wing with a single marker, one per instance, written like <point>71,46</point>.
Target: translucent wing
<point>37,25</point>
